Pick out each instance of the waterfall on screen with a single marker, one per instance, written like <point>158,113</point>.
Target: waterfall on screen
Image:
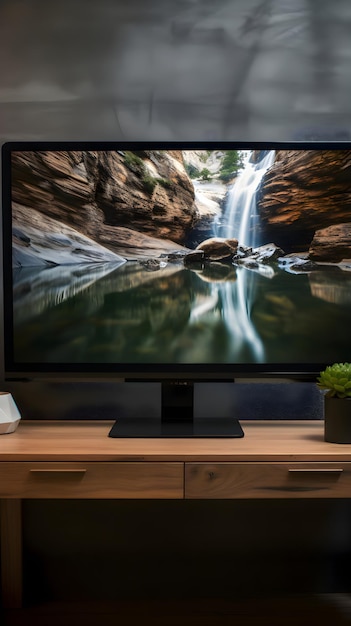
<point>241,218</point>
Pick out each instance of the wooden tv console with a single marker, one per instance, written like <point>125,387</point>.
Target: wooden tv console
<point>48,459</point>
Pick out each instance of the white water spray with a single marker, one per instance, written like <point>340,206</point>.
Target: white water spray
<point>241,217</point>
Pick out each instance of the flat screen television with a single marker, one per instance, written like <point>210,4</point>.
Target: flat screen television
<point>177,262</point>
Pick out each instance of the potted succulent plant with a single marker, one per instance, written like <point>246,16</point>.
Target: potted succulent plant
<point>336,380</point>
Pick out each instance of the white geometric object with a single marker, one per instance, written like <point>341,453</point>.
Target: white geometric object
<point>9,413</point>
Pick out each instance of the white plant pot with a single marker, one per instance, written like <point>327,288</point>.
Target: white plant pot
<point>9,413</point>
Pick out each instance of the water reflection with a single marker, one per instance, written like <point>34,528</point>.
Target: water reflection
<point>36,290</point>
<point>129,314</point>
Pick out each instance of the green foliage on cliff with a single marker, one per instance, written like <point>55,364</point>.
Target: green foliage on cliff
<point>192,170</point>
<point>231,164</point>
<point>205,174</point>
<point>133,161</point>
<point>137,165</point>
<point>165,182</point>
<point>150,182</point>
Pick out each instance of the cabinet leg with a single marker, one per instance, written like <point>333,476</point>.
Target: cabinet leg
<point>11,553</point>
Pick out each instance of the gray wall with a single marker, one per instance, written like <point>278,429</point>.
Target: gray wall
<point>174,69</point>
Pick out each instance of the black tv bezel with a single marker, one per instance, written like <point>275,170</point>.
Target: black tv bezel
<point>136,371</point>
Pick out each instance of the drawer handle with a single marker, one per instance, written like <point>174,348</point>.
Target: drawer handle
<point>311,470</point>
<point>58,471</point>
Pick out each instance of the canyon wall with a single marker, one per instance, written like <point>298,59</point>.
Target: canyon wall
<point>304,193</point>
<point>119,199</point>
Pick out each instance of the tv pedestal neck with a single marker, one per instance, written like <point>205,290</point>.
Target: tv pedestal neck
<point>178,418</point>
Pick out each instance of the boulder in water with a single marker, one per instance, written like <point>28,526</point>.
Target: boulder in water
<point>194,257</point>
<point>264,254</point>
<point>218,248</point>
<point>332,244</point>
<point>268,253</point>
<point>152,264</point>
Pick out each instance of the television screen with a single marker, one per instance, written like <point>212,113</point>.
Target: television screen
<point>176,258</point>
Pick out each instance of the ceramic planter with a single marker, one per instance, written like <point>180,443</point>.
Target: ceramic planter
<point>9,413</point>
<point>337,420</point>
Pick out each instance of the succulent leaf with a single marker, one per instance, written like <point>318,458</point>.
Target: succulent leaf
<point>336,379</point>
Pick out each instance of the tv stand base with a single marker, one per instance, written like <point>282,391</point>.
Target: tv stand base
<point>156,427</point>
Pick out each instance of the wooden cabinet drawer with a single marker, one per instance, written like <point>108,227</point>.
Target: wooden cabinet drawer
<point>91,480</point>
<point>268,480</point>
